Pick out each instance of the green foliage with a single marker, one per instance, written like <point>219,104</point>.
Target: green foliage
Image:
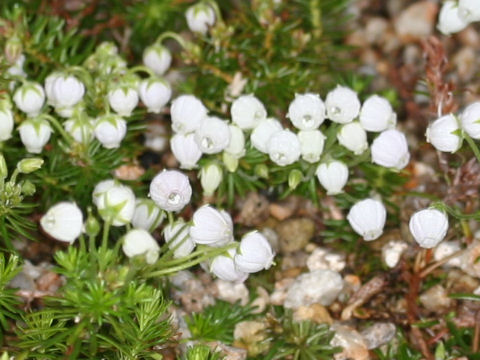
<point>102,311</point>
<point>217,322</point>
<point>399,350</point>
<point>201,352</point>
<point>8,300</point>
<point>302,340</point>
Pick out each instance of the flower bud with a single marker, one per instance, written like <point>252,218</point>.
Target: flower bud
<point>29,98</point>
<point>65,91</point>
<point>342,105</point>
<point>262,133</point>
<point>3,167</point>
<point>171,190</point>
<point>123,100</point>
<point>224,268</point>
<point>63,221</point>
<point>155,94</point>
<point>333,176</point>
<point>211,176</point>
<point>284,148</point>
<point>354,137</point>
<point>147,215</point>
<point>470,119</point>
<point>311,144</point>
<point>469,10</point>
<point>157,58</point>
<point>295,177</point>
<point>247,112</point>
<point>139,242</point>
<point>230,162</point>
<point>254,254</point>
<point>13,49</point>
<point>92,226</point>
<point>213,135</point>
<point>177,237</point>
<point>261,170</point>
<point>449,20</point>
<point>211,227</point>
<point>390,149</point>
<point>28,188</point>
<point>115,202</point>
<point>185,150</point>
<point>80,128</point>
<point>236,147</point>
<point>367,218</point>
<point>34,134</point>
<point>306,111</point>
<point>6,123</point>
<point>428,227</point>
<point>187,114</point>
<point>442,134</point>
<point>110,130</point>
<point>27,166</point>
<point>377,114</point>
<point>199,17</point>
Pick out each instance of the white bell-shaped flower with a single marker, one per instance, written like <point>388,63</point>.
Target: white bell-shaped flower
<point>254,254</point>
<point>171,190</point>
<point>449,20</point>
<point>223,266</point>
<point>157,58</point>
<point>199,17</point>
<point>63,221</point>
<point>6,123</point>
<point>66,91</point>
<point>80,128</point>
<point>390,149</point>
<point>306,111</point>
<point>110,130</point>
<point>115,202</point>
<point>342,105</point>
<point>177,237</point>
<point>155,94</point>
<point>34,134</point>
<point>187,114</point>
<point>441,134</point>
<point>470,120</point>
<point>428,227</point>
<point>236,147</point>
<point>377,114</point>
<point>213,135</point>
<point>123,100</point>
<point>139,242</point>
<point>367,217</point>
<point>469,10</point>
<point>147,215</point>
<point>211,176</point>
<point>333,176</point>
<point>48,84</point>
<point>262,133</point>
<point>29,98</point>
<point>211,227</point>
<point>247,112</point>
<point>185,150</point>
<point>311,144</point>
<point>284,148</point>
<point>354,137</point>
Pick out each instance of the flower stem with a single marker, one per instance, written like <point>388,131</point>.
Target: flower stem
<point>473,146</point>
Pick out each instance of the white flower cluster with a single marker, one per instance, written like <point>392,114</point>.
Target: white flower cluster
<point>446,132</point>
<point>196,134</point>
<point>65,92</point>
<point>457,15</point>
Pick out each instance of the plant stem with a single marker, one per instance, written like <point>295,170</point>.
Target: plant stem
<point>473,146</point>
<point>106,230</point>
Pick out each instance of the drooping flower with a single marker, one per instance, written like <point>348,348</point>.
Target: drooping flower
<point>390,149</point>
<point>441,134</point>
<point>377,114</point>
<point>262,133</point>
<point>187,114</point>
<point>123,99</point>
<point>34,134</point>
<point>247,112</point>
<point>342,105</point>
<point>6,122</point>
<point>284,148</point>
<point>147,215</point>
<point>177,237</point>
<point>139,242</point>
<point>65,91</point>
<point>468,10</point>
<point>449,20</point>
<point>211,227</point>
<point>306,111</point>
<point>367,217</point>
<point>155,93</point>
<point>470,119</point>
<point>158,58</point>
<point>200,17</point>
<point>63,221</point>
<point>115,202</point>
<point>30,98</point>
<point>332,176</point>
<point>110,130</point>
<point>354,137</point>
<point>254,254</point>
<point>311,144</point>
<point>185,150</point>
<point>236,147</point>
<point>224,268</point>
<point>428,227</point>
<point>171,190</point>
<point>211,176</point>
<point>213,135</point>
